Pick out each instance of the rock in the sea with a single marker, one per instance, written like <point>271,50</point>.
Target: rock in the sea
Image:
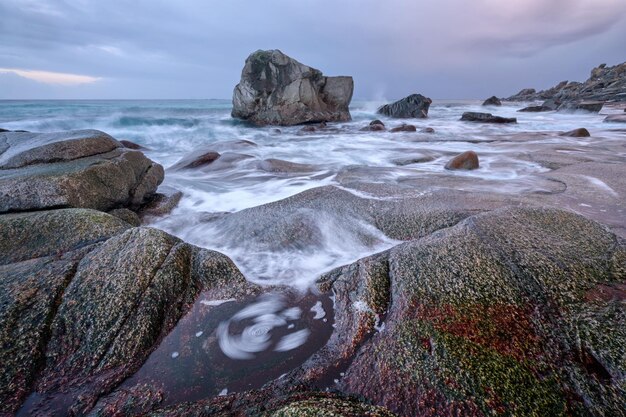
<point>196,160</point>
<point>83,168</point>
<point>547,105</point>
<point>86,299</point>
<point>581,132</point>
<point>132,145</point>
<point>404,128</point>
<point>492,101</point>
<point>374,126</point>
<point>428,130</point>
<point>486,118</point>
<point>588,106</point>
<point>413,106</point>
<point>517,309</point>
<point>161,203</point>
<point>466,161</point>
<point>278,90</point>
<point>615,118</point>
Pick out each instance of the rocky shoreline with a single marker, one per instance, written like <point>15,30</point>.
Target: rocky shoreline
<point>489,303</point>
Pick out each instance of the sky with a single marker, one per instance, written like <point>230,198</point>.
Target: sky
<point>195,49</point>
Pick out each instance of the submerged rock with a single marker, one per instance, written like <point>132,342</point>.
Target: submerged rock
<point>466,161</point>
<point>581,132</point>
<point>404,128</point>
<point>276,89</point>
<point>492,101</point>
<point>615,118</point>
<point>196,160</point>
<point>374,126</point>
<point>413,106</point>
<point>83,168</point>
<point>428,130</point>
<point>486,118</point>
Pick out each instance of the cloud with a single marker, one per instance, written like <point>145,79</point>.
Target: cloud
<point>53,78</point>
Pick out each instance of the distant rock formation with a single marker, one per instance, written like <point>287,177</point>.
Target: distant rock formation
<point>492,101</point>
<point>278,90</point>
<point>413,106</point>
<point>604,84</point>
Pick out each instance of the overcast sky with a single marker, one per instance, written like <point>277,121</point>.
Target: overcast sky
<point>196,48</point>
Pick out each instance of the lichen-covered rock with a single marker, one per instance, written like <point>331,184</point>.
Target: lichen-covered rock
<point>413,106</point>
<point>507,312</point>
<point>278,90</point>
<point>83,169</point>
<point>79,320</point>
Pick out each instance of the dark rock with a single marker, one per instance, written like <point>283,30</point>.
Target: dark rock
<point>75,324</point>
<point>615,118</point>
<point>275,131</point>
<point>373,128</point>
<point>161,203</point>
<point>473,312</point>
<point>404,128</point>
<point>413,106</point>
<point>588,106</point>
<point>466,161</point>
<point>276,89</point>
<point>4,130</point>
<point>577,133</point>
<point>86,169</point>
<point>308,129</point>
<point>492,101</point>
<point>534,109</point>
<point>523,95</point>
<point>427,130</point>
<point>486,118</point>
<point>132,145</point>
<point>127,215</point>
<point>377,122</point>
<point>193,160</point>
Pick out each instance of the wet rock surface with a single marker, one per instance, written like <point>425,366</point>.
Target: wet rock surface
<point>466,161</point>
<point>277,89</point>
<point>492,101</point>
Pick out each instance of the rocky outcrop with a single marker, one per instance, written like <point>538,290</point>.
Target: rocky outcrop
<point>587,106</point>
<point>486,118</point>
<point>492,101</point>
<point>507,312</point>
<point>466,161</point>
<point>604,84</point>
<point>413,106</point>
<point>278,90</point>
<point>86,298</point>
<point>84,168</point>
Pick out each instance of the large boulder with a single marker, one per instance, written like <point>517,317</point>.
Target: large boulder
<point>278,90</point>
<point>87,298</point>
<point>466,161</point>
<point>519,311</point>
<point>83,168</point>
<point>413,106</point>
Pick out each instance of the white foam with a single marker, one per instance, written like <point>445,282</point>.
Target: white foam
<point>319,311</point>
<point>213,303</point>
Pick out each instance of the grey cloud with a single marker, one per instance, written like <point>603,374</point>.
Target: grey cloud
<point>194,48</point>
